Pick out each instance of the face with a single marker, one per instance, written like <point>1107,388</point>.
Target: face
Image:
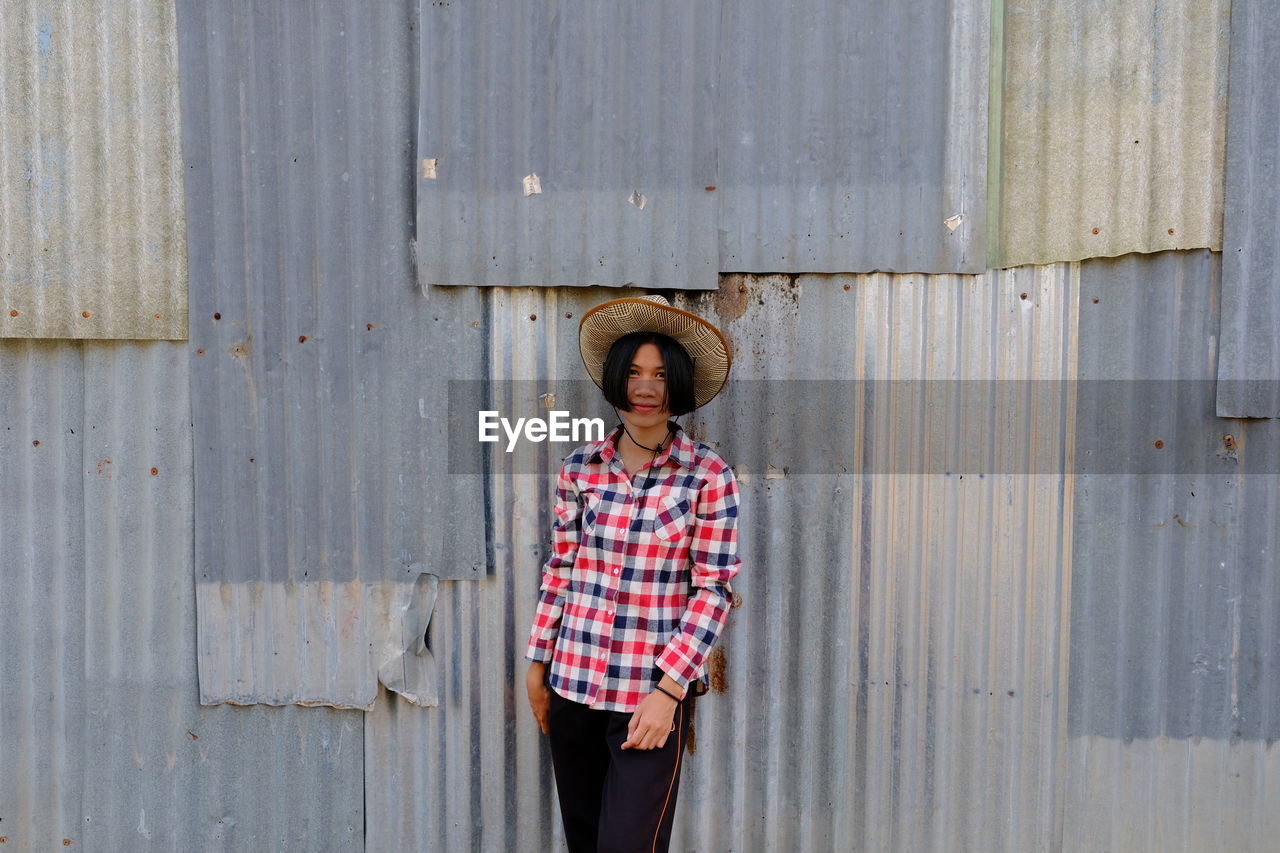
<point>646,389</point>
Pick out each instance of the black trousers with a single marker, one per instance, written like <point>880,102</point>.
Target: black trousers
<point>614,800</point>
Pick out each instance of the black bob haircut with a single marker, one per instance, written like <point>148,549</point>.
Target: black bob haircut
<point>675,363</point>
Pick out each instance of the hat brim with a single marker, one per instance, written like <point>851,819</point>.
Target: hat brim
<point>601,326</point>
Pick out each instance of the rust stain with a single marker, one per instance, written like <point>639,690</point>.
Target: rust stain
<point>737,601</point>
<point>104,468</point>
<point>84,314</point>
<point>1159,444</point>
<point>732,297</point>
<point>217,315</point>
<point>717,668</point>
<point>155,471</point>
<point>240,350</point>
<point>1229,441</point>
<point>13,312</point>
<point>192,735</point>
<point>302,339</point>
<point>349,622</point>
<point>691,739</point>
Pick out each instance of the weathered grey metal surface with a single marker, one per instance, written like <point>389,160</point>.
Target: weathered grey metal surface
<point>609,108</point>
<point>92,243</point>
<point>884,619</point>
<point>103,740</point>
<point>1114,128</point>
<point>1175,652</point>
<point>319,370</point>
<point>853,137</point>
<point>1248,353</point>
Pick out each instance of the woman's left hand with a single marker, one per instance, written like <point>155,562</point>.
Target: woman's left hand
<point>651,722</point>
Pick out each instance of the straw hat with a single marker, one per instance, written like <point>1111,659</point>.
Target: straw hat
<point>704,343</point>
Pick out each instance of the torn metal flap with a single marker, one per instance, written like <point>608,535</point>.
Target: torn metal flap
<point>405,664</point>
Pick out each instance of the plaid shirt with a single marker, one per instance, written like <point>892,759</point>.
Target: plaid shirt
<point>638,576</point>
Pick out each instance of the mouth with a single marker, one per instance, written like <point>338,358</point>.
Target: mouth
<point>642,408</point>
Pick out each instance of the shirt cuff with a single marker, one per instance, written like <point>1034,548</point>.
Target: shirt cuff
<point>677,666</point>
<point>538,653</point>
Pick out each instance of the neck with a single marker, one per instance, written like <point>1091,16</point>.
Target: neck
<point>648,437</point>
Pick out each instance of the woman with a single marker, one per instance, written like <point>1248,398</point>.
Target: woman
<point>636,589</point>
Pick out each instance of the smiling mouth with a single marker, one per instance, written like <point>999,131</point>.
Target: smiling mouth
<point>643,407</point>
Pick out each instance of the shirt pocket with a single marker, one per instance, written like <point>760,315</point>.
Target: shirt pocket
<point>672,519</point>
<point>590,510</point>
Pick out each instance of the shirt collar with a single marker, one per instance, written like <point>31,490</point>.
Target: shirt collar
<point>680,449</point>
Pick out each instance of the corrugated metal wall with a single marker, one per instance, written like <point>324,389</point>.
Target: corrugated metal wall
<point>318,368</point>
<point>1008,580</point>
<point>1175,653</point>
<point>568,143</point>
<point>865,149</point>
<point>91,238</point>
<point>1114,123</point>
<point>1249,366</point>
<point>853,136</point>
<point>103,742</point>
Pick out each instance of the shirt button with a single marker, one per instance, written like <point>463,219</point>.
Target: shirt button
<point>609,613</point>
<point>615,571</point>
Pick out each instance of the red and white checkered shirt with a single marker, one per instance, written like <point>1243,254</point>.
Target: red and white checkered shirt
<point>637,582</point>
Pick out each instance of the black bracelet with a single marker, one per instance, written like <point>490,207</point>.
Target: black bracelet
<point>668,692</point>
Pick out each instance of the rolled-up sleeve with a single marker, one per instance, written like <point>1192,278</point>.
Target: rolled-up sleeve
<point>566,534</point>
<point>714,555</point>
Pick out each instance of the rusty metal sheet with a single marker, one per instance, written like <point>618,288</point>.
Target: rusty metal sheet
<point>92,226</point>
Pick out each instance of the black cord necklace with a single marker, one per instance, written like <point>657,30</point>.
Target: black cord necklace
<point>655,450</point>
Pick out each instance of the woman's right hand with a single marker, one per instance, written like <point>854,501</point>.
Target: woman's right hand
<point>535,682</point>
